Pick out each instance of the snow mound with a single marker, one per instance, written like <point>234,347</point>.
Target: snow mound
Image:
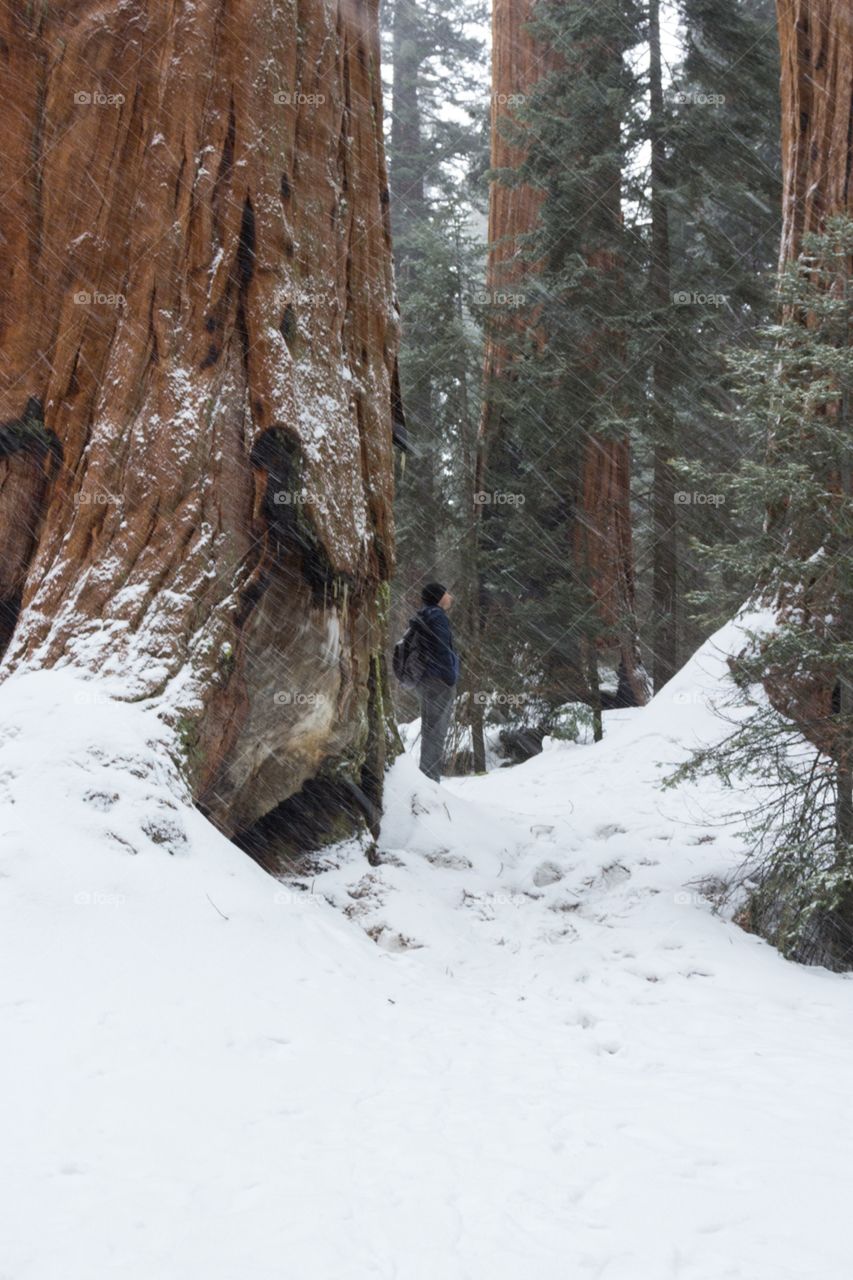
<point>522,1042</point>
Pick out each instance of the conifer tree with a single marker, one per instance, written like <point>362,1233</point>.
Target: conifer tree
<point>557,538</point>
<point>794,391</point>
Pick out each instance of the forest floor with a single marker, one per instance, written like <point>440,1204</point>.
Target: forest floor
<point>523,1044</point>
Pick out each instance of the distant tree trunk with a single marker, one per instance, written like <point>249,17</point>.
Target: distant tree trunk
<point>469,549</point>
<point>601,537</point>
<point>199,338</point>
<point>407,56</point>
<point>409,208</point>
<point>517,62</point>
<point>664,509</point>
<point>603,528</point>
<point>816,46</point>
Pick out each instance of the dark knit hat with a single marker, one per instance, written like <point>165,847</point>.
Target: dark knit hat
<point>432,592</point>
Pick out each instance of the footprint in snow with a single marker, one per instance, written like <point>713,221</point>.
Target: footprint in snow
<point>608,829</point>
<point>166,833</point>
<point>452,861</point>
<point>542,830</point>
<point>586,1021</point>
<point>609,1046</point>
<point>101,800</point>
<point>390,940</point>
<point>568,933</point>
<point>609,877</point>
<point>547,873</point>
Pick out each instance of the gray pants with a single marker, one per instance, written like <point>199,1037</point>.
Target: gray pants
<point>436,699</point>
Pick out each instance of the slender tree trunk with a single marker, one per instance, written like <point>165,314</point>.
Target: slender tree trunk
<point>406,155</point>
<point>418,554</point>
<point>470,548</point>
<point>664,509</point>
<point>197,307</point>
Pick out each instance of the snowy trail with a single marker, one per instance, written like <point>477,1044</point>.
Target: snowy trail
<point>522,1044</point>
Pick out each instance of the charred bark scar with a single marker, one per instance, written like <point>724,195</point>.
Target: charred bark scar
<point>246,247</point>
<point>28,434</point>
<point>288,324</point>
<point>293,539</point>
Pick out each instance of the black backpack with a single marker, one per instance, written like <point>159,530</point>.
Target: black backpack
<point>409,661</point>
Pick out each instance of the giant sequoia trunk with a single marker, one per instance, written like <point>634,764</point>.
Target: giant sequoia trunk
<point>518,61</point>
<point>816,45</point>
<point>198,347</point>
<point>600,542</point>
<point>512,212</point>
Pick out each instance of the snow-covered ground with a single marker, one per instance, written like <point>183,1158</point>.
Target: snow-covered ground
<point>522,1044</point>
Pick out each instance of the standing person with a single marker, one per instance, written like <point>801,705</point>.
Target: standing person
<point>437,686</point>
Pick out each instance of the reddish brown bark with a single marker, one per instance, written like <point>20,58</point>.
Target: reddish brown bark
<point>601,540</point>
<point>196,284</point>
<point>816,45</point>
<point>518,61</point>
<point>603,546</point>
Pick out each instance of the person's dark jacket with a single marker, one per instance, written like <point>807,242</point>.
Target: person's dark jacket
<point>441,659</point>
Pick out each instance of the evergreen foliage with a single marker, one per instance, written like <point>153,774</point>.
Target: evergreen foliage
<point>794,392</point>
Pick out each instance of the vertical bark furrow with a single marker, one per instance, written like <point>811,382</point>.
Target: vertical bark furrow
<point>170,294</point>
